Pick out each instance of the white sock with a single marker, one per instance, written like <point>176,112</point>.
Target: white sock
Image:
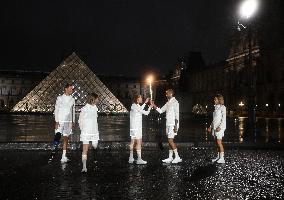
<point>221,155</point>
<point>95,144</point>
<point>171,153</point>
<point>139,153</point>
<point>218,155</point>
<point>64,154</point>
<point>176,153</point>
<point>131,154</point>
<point>84,161</point>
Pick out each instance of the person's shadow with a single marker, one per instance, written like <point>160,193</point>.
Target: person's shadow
<point>202,172</point>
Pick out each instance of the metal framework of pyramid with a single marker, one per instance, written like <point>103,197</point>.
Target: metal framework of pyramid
<point>72,70</point>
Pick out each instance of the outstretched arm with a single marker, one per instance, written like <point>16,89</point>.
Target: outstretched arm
<point>163,109</point>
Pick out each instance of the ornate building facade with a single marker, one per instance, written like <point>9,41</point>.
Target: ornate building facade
<point>233,78</point>
<point>14,85</point>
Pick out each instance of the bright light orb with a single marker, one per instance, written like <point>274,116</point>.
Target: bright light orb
<point>248,8</point>
<point>150,79</point>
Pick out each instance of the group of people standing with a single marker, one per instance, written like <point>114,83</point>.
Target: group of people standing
<point>65,121</point>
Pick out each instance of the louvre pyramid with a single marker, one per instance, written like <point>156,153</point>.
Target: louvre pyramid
<point>72,70</point>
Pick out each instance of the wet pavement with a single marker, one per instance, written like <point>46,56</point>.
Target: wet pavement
<point>40,128</point>
<point>247,174</point>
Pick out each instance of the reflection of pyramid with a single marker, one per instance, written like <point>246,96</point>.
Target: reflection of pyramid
<point>42,98</point>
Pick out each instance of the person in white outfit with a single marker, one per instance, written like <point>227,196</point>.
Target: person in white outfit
<point>136,113</point>
<point>218,126</point>
<point>65,117</point>
<point>172,125</point>
<point>89,126</point>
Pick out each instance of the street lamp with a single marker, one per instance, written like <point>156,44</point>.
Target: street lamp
<point>150,80</point>
<point>247,9</point>
<point>241,104</point>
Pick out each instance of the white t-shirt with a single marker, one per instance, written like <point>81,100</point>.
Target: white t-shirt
<point>219,117</point>
<point>88,122</point>
<point>136,113</point>
<point>172,112</point>
<point>64,109</point>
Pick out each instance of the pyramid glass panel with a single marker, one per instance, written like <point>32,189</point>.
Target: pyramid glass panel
<point>72,70</point>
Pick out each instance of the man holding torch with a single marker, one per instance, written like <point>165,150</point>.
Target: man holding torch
<point>172,124</point>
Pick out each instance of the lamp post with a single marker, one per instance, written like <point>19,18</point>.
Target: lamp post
<point>247,10</point>
<point>241,104</point>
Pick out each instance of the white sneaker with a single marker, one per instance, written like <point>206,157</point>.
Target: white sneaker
<point>64,160</point>
<point>215,159</point>
<point>168,160</point>
<point>177,160</point>
<point>141,162</point>
<point>131,160</point>
<point>84,170</point>
<point>221,161</point>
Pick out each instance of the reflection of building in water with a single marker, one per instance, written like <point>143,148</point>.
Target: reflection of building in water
<point>279,129</point>
<point>72,70</point>
<point>14,85</point>
<point>241,129</point>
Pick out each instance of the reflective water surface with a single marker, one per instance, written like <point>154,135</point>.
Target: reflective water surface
<point>40,128</point>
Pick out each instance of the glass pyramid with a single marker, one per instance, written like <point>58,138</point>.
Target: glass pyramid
<point>72,70</point>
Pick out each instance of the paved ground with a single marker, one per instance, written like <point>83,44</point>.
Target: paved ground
<point>248,174</point>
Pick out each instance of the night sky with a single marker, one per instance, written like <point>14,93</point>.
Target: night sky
<point>114,37</point>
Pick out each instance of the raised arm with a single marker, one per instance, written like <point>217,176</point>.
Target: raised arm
<point>143,106</point>
<point>145,103</point>
<point>140,110</point>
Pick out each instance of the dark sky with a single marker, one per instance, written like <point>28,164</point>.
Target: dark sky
<point>114,36</point>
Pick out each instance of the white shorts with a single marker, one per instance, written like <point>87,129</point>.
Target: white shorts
<point>218,135</point>
<point>65,128</point>
<point>88,141</point>
<point>136,134</point>
<point>170,132</point>
<point>89,137</point>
